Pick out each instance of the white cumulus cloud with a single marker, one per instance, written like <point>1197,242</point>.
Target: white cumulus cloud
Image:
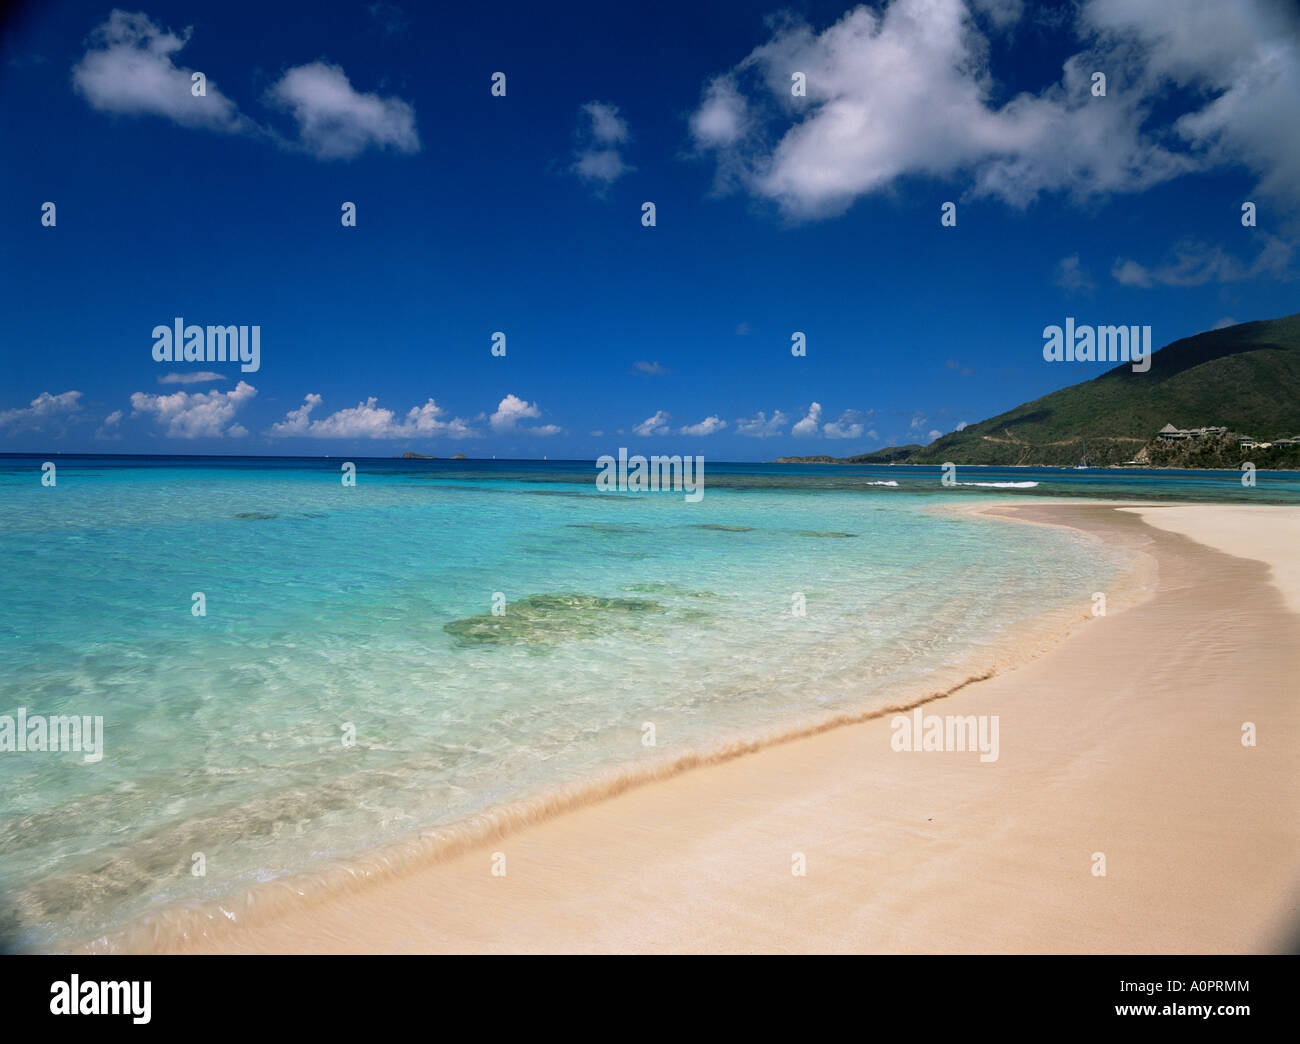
<point>655,425</point>
<point>909,90</point>
<point>760,426</point>
<point>848,425</point>
<point>129,69</point>
<point>369,420</point>
<point>708,426</point>
<point>110,429</point>
<point>811,423</point>
<point>511,410</point>
<point>194,415</point>
<point>42,409</point>
<point>335,120</point>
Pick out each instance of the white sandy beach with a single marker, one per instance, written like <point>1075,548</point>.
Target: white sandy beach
<point>1123,739</point>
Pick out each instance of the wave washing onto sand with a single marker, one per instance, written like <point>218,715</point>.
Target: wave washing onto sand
<point>183,925</point>
<point>188,925</point>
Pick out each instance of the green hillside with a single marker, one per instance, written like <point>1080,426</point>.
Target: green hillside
<point>1244,377</point>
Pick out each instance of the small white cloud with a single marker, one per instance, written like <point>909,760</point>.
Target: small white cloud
<point>962,426</point>
<point>759,426</point>
<point>1130,273</point>
<point>296,422</point>
<point>934,434</point>
<point>336,121</point>
<point>1195,264</point>
<point>600,165</point>
<point>849,425</point>
<point>42,409</point>
<point>194,415</point>
<point>1072,277</point>
<point>809,426</point>
<point>598,159</point>
<point>129,70</point>
<point>109,429</point>
<point>708,426</point>
<point>836,430</point>
<point>720,119</point>
<point>653,368</point>
<point>190,378</point>
<point>607,126</point>
<point>1224,323</point>
<point>656,425</point>
<point>510,411</point>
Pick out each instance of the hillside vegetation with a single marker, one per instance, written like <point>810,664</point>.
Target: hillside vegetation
<point>1245,377</point>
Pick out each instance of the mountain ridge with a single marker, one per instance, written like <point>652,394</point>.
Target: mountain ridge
<point>1244,377</point>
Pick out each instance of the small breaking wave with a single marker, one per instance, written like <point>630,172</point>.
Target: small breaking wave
<point>198,922</point>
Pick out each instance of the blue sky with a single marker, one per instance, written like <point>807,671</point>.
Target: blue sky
<point>523,214</point>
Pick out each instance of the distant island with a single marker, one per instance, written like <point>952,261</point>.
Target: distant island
<point>1214,400</point>
<point>408,455</point>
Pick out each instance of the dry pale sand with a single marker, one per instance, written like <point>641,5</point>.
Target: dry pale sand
<point>1237,530</point>
<point>1125,739</point>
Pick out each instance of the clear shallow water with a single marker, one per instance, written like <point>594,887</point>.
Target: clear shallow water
<point>372,606</point>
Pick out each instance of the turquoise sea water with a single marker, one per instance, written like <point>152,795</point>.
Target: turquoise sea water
<point>371,607</point>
